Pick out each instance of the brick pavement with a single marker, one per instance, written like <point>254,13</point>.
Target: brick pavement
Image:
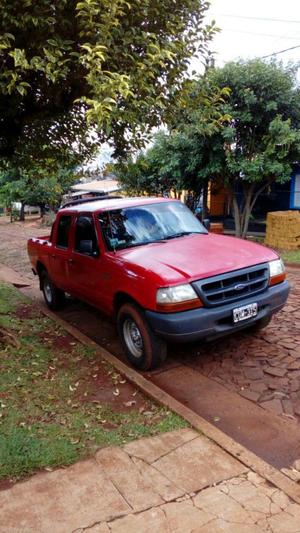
<point>177,482</point>
<point>265,367</point>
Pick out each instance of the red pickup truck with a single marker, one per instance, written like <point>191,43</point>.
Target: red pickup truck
<point>150,264</point>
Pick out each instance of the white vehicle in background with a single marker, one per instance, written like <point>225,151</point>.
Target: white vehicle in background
<point>28,209</point>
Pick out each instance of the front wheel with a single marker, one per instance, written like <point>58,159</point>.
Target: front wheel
<point>53,296</point>
<point>142,347</point>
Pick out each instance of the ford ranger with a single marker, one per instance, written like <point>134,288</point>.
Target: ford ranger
<point>150,264</point>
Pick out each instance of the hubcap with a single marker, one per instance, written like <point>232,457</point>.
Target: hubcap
<point>133,337</point>
<point>48,291</point>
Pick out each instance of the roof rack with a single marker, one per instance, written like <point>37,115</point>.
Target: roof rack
<point>88,200</point>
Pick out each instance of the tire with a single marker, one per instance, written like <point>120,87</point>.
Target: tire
<point>261,324</point>
<point>143,348</point>
<point>54,297</point>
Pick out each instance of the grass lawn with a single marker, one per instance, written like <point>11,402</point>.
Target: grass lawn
<point>288,256</point>
<point>59,401</point>
<point>292,256</point>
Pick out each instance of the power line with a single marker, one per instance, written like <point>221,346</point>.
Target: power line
<point>262,34</point>
<point>260,18</point>
<point>280,52</point>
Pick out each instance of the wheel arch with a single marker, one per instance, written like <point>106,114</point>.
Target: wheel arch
<point>40,267</point>
<point>122,298</point>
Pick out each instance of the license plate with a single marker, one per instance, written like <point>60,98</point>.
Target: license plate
<point>242,313</point>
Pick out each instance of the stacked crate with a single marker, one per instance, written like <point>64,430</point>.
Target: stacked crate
<point>283,230</point>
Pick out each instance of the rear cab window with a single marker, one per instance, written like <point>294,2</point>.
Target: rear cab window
<point>63,231</point>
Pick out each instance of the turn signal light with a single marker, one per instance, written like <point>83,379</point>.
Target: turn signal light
<point>179,306</point>
<point>274,280</point>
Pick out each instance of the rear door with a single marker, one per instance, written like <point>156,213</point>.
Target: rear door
<point>60,252</point>
<point>85,263</point>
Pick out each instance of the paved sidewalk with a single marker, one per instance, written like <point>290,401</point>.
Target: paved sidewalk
<point>176,482</point>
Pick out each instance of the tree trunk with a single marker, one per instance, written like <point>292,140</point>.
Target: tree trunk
<point>205,198</point>
<point>22,212</point>
<point>248,194</point>
<point>243,212</point>
<point>237,215</point>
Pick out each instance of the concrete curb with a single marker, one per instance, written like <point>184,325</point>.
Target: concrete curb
<point>235,449</point>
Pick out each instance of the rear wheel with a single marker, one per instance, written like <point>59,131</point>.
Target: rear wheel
<point>143,348</point>
<point>54,297</point>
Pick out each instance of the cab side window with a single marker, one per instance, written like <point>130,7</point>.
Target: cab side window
<point>63,231</point>
<point>85,236</point>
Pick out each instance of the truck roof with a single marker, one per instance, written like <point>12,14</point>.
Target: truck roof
<point>114,203</point>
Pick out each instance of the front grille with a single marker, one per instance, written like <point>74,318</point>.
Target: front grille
<point>233,286</point>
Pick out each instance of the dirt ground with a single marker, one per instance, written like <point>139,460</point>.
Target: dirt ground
<point>13,242</point>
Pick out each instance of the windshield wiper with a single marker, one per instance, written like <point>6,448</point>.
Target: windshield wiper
<point>182,233</point>
<point>135,244</point>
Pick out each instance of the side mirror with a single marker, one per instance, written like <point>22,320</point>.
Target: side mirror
<point>206,223</point>
<point>86,247</point>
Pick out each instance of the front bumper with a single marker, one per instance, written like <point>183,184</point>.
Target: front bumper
<point>213,322</point>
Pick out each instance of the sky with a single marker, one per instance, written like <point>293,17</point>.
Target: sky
<point>255,28</point>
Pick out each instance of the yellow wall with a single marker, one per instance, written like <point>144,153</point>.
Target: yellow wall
<point>217,201</point>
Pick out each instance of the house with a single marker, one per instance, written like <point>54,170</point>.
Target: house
<point>101,186</point>
<point>278,197</point>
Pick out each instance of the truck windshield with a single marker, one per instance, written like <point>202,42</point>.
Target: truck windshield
<point>145,224</point>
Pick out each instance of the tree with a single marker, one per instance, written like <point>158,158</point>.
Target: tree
<point>36,187</point>
<point>261,141</point>
<point>115,63</point>
<point>173,162</point>
<point>254,143</point>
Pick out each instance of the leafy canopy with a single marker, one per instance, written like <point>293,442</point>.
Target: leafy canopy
<point>116,63</point>
<point>255,140</point>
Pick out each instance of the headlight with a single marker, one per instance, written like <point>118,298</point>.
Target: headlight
<point>177,298</point>
<point>277,271</point>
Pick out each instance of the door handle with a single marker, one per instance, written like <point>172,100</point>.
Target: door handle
<point>53,256</point>
<point>71,261</point>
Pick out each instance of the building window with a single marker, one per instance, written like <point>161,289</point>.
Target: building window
<point>295,191</point>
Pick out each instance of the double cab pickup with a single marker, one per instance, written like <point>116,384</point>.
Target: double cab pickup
<point>153,267</point>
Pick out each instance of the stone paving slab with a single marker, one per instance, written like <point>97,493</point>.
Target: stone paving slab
<point>152,449</point>
<point>8,275</point>
<point>199,464</point>
<point>187,484</point>
<point>60,501</point>
<point>244,504</point>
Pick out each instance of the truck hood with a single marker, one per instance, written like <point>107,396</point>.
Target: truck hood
<point>194,257</point>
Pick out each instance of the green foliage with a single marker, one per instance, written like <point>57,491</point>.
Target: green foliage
<point>116,63</point>
<point>247,138</point>
<point>175,161</point>
<point>37,186</point>
<point>262,138</point>
<point>51,409</point>
<point>290,256</point>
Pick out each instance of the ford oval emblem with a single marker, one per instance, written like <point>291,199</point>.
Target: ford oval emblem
<point>239,287</point>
